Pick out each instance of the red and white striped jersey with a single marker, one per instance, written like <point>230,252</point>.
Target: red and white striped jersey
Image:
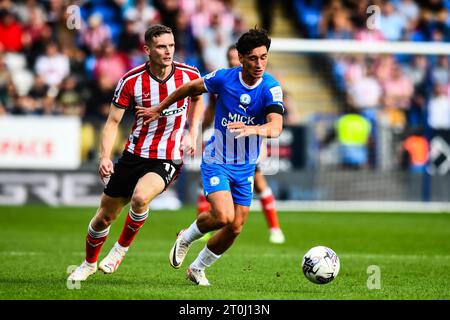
<point>160,139</point>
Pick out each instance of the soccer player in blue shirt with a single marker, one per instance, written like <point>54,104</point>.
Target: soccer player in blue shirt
<point>249,107</point>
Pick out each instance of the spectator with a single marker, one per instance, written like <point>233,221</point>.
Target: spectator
<point>415,151</point>
<point>144,15</point>
<point>367,35</point>
<point>129,38</point>
<point>359,14</point>
<point>215,43</point>
<point>398,89</point>
<point>37,34</point>
<point>365,94</point>
<point>24,10</point>
<point>417,71</point>
<point>409,10</point>
<point>39,91</point>
<point>200,18</point>
<point>5,79</point>
<point>53,66</point>
<point>188,50</point>
<point>326,18</point>
<point>25,105</point>
<point>353,68</point>
<point>11,32</point>
<point>111,64</point>
<point>70,99</point>
<point>341,26</point>
<point>96,35</point>
<point>352,132</point>
<point>439,112</point>
<point>100,100</point>
<point>441,72</point>
<point>392,24</point>
<point>169,10</point>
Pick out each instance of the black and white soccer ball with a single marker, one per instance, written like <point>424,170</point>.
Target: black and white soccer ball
<point>320,265</point>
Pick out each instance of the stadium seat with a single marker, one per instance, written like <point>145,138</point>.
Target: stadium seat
<point>89,65</point>
<point>107,13</point>
<point>116,29</point>
<point>308,14</point>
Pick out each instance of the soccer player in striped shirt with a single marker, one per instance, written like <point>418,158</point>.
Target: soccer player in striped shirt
<point>153,154</point>
<point>249,108</point>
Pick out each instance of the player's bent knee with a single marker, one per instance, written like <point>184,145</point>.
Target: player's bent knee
<point>139,202</point>
<point>223,220</point>
<point>234,229</point>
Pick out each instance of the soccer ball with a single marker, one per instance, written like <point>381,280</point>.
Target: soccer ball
<point>320,265</point>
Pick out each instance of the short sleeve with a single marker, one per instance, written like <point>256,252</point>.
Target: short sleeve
<point>214,80</point>
<point>274,100</point>
<point>124,94</point>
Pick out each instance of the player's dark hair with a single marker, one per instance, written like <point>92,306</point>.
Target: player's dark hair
<point>155,31</point>
<point>252,39</point>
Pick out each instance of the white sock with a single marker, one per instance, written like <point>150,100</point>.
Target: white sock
<point>204,259</point>
<point>117,245</point>
<point>192,233</point>
<point>267,192</point>
<point>92,265</point>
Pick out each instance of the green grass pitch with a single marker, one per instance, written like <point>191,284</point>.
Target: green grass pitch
<point>38,244</point>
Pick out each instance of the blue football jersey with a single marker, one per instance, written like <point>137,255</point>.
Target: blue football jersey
<point>239,102</point>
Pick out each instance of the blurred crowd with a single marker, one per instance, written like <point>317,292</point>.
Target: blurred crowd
<point>60,57</point>
<point>402,85</point>
<point>65,57</point>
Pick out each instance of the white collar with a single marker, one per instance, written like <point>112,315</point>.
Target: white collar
<point>246,85</point>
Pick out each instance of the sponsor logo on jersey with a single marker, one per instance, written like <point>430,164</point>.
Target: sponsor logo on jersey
<point>277,94</point>
<point>234,117</point>
<point>211,74</point>
<point>171,112</point>
<point>245,99</point>
<point>243,108</point>
<point>214,181</point>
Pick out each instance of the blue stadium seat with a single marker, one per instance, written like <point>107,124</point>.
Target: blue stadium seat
<point>107,12</point>
<point>308,14</point>
<point>89,65</point>
<point>116,29</point>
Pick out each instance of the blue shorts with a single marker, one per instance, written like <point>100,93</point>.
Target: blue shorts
<point>238,179</point>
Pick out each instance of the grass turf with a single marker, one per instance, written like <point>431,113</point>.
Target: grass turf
<point>38,244</point>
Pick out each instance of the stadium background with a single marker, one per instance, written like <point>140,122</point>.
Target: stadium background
<point>60,61</point>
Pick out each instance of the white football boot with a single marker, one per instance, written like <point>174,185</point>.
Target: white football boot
<point>83,271</point>
<point>179,251</point>
<point>197,276</point>
<point>111,262</point>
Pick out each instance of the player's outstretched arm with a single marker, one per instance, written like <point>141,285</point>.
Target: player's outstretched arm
<point>192,88</point>
<point>271,129</point>
<point>106,167</point>
<point>194,118</point>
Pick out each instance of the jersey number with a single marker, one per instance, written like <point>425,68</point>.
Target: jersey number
<point>170,169</point>
<point>251,181</point>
